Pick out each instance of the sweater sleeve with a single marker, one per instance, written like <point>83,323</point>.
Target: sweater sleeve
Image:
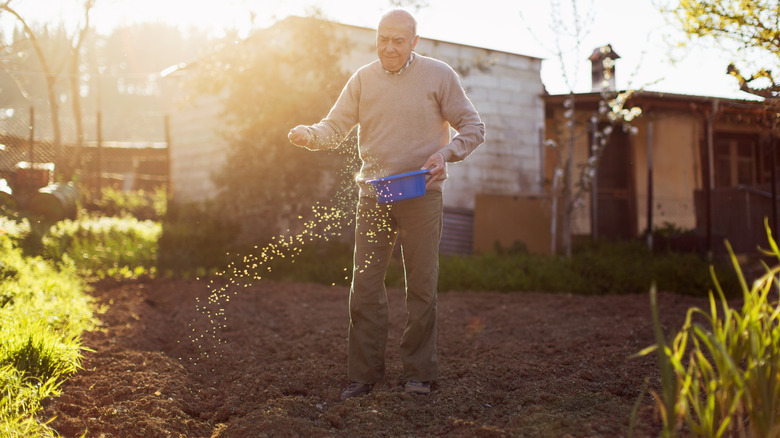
<point>342,118</point>
<point>458,110</point>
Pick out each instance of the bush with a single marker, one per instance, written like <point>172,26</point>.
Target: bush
<point>607,268</point>
<point>16,230</point>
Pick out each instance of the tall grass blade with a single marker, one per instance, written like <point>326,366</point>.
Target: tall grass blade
<point>668,379</point>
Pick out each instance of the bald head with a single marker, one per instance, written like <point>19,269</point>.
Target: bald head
<point>396,37</point>
<point>399,18</point>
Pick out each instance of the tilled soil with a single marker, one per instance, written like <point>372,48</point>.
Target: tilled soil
<point>512,364</point>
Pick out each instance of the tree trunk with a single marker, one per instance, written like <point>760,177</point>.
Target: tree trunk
<point>568,202</point>
<point>54,107</point>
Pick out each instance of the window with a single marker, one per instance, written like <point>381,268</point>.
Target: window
<point>735,160</point>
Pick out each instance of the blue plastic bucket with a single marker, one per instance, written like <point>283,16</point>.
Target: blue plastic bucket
<point>400,187</point>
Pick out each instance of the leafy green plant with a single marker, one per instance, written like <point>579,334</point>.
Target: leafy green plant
<point>14,229</point>
<point>140,204</point>
<point>105,246</point>
<point>721,372</point>
<point>616,268</point>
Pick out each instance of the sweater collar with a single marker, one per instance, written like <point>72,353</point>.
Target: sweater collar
<point>408,62</point>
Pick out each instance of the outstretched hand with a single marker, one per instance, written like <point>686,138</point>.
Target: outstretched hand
<point>435,164</point>
<point>299,136</point>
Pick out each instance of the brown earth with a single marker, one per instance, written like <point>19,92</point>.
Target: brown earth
<point>512,364</point>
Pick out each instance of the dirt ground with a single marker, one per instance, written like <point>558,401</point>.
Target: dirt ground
<point>512,364</point>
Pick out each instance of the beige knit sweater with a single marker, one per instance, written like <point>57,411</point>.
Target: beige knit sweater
<point>403,119</point>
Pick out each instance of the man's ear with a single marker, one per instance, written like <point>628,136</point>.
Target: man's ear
<point>416,40</point>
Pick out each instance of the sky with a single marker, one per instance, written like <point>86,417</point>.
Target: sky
<point>636,29</point>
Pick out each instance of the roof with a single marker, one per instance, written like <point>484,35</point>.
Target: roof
<point>594,97</point>
<point>173,69</point>
<point>433,40</point>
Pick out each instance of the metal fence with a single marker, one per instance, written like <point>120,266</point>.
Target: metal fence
<point>30,160</point>
<point>737,214</point>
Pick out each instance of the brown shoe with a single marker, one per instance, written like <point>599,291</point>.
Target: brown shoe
<point>417,387</point>
<point>356,389</point>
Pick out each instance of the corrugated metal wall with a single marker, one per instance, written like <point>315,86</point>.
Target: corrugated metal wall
<point>458,231</point>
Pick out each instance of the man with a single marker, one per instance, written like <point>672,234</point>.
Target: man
<point>404,104</point>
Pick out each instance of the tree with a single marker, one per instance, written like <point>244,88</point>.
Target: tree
<point>75,85</point>
<point>570,27</point>
<point>754,26</point>
<point>52,64</point>
<point>277,78</point>
<point>409,4</point>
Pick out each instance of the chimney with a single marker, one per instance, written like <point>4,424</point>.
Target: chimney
<point>602,64</point>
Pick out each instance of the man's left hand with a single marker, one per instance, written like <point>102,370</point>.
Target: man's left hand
<point>435,164</point>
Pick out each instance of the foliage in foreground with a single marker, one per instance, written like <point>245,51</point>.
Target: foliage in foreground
<point>43,311</point>
<point>720,374</point>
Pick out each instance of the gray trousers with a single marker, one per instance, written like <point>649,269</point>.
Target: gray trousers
<point>417,224</point>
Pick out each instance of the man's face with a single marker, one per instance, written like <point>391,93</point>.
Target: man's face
<point>395,40</point>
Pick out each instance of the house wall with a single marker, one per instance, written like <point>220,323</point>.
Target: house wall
<point>505,88</point>
<point>505,221</point>
<point>556,156</point>
<point>676,167</point>
<point>196,150</point>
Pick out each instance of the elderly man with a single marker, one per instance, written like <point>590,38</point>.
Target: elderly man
<point>404,104</point>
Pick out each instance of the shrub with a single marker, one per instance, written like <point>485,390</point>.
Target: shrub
<point>606,268</point>
<point>14,229</point>
<point>614,268</point>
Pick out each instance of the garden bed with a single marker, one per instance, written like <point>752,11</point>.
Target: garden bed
<point>512,364</point>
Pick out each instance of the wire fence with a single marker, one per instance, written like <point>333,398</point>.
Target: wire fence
<point>31,160</point>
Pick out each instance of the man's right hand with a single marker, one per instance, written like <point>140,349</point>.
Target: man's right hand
<point>299,136</point>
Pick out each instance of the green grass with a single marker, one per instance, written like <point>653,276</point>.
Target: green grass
<point>43,311</point>
<point>105,246</point>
